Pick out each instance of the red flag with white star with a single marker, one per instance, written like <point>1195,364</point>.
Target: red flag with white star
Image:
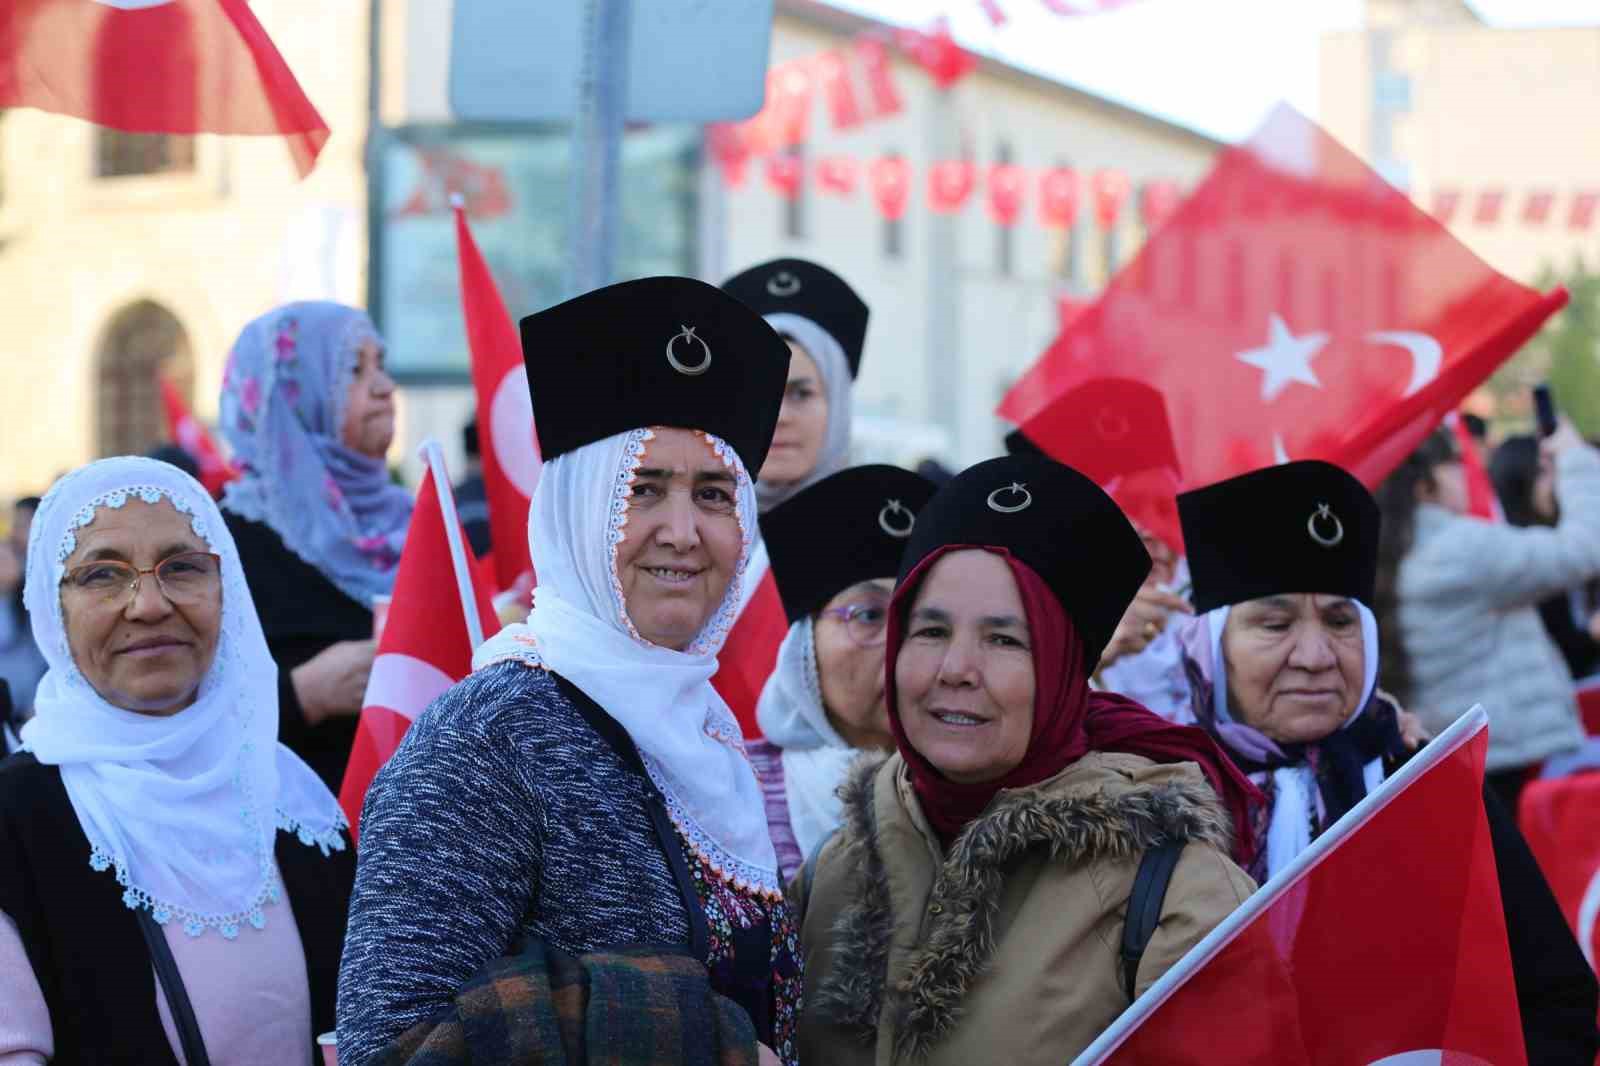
<point>156,66</point>
<point>1294,307</point>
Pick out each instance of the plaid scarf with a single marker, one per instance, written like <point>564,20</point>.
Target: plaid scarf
<point>623,1008</point>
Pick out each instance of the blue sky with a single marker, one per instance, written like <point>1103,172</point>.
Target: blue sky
<point>1216,65</point>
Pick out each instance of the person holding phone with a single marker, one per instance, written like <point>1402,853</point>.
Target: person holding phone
<point>1457,602</point>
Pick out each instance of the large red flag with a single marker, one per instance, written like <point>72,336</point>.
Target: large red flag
<point>425,646</point>
<point>187,433</point>
<point>155,66</point>
<point>1561,819</point>
<point>1294,307</point>
<point>511,461</point>
<point>1384,942</point>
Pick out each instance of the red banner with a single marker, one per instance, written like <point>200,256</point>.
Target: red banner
<point>1058,197</point>
<point>890,177</point>
<point>950,182</point>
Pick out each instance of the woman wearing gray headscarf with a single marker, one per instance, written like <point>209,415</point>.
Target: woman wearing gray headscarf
<point>824,323</point>
<point>309,412</point>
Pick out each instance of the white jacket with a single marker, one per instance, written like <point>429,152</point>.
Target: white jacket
<point>1469,591</point>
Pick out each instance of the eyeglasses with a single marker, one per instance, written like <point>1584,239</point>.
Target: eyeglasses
<point>867,623</point>
<point>182,578</point>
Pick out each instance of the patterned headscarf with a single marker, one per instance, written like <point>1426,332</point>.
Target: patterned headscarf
<point>283,400</point>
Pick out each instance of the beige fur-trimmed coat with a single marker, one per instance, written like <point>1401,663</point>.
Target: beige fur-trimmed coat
<point>1006,949</point>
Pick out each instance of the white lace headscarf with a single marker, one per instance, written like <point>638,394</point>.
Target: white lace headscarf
<point>184,808</point>
<point>687,738</point>
<point>834,455</point>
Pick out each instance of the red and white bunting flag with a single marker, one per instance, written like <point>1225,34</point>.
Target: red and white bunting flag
<point>427,642</point>
<point>1380,944</point>
<point>1490,202</point>
<point>1536,208</point>
<point>1328,316</point>
<point>511,460</point>
<point>156,66</point>
<point>837,175</point>
<point>1445,204</point>
<point>1584,204</point>
<point>187,433</point>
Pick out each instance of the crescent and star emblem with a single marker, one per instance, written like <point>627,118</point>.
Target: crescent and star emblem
<point>691,369</point>
<point>783,283</point>
<point>1286,358</point>
<point>1319,518</point>
<point>891,510</point>
<point>1016,488</point>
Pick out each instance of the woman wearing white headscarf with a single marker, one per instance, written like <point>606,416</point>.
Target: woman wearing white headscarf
<point>308,409</point>
<point>824,323</point>
<point>835,549</point>
<point>586,787</point>
<point>172,879</point>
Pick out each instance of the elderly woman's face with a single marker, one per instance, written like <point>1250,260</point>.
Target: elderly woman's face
<point>802,422</point>
<point>964,675</point>
<point>681,544</point>
<point>850,663</point>
<point>1295,664</point>
<point>141,651</point>
<point>369,404</point>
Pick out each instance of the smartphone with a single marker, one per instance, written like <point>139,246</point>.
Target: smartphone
<point>1544,407</point>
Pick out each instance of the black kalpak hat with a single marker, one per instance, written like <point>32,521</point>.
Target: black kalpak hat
<point>1306,526</point>
<point>1054,519</point>
<point>845,529</point>
<point>654,352</point>
<point>810,290</point>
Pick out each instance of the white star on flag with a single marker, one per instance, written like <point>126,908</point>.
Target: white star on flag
<point>1285,358</point>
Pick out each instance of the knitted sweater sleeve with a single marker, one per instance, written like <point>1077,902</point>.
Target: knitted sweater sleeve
<point>1509,566</point>
<point>450,848</point>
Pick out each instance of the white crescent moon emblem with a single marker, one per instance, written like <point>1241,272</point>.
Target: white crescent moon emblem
<point>1280,454</point>
<point>1426,354</point>
<point>1430,1057</point>
<point>1587,911</point>
<point>511,429</point>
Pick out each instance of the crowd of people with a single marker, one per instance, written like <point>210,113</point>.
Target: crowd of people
<point>997,711</point>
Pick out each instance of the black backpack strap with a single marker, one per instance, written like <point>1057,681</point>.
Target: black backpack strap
<point>1144,907</point>
<point>194,1046</point>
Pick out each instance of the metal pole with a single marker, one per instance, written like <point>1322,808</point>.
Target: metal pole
<point>597,127</point>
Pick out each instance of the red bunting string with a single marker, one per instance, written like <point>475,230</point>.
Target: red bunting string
<point>837,175</point>
<point>1058,197</point>
<point>936,52</point>
<point>833,73</point>
<point>785,173</point>
<point>1007,189</point>
<point>1583,210</point>
<point>950,182</point>
<point>1536,210</point>
<point>879,71</point>
<point>891,186</point>
<point>1111,189</point>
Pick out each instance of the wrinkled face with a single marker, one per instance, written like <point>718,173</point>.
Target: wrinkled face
<point>141,652</point>
<point>802,422</point>
<point>964,676</point>
<point>369,404</point>
<point>1295,665</point>
<point>850,663</point>
<point>681,545</point>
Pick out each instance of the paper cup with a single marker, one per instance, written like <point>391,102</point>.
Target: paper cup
<point>329,1043</point>
<point>380,614</point>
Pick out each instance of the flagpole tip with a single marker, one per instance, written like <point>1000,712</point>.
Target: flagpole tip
<point>457,201</point>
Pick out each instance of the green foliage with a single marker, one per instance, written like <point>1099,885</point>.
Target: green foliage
<point>1569,345</point>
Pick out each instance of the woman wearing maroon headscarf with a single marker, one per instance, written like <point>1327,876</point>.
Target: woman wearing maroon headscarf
<point>971,909</point>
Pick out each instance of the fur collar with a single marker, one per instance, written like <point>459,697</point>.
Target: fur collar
<point>1071,826</point>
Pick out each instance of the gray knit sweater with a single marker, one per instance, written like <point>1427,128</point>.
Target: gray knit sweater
<point>502,814</point>
<point>1469,595</point>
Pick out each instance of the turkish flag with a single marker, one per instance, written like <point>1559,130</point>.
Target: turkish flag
<point>1293,307</point>
<point>424,648</point>
<point>511,461</point>
<point>786,173</point>
<point>1384,942</point>
<point>187,433</point>
<point>750,654</point>
<point>1560,817</point>
<point>950,182</point>
<point>890,178</point>
<point>1008,186</point>
<point>837,174</point>
<point>156,66</point>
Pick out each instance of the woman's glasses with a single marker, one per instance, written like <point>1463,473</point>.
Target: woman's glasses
<point>182,578</point>
<point>867,623</point>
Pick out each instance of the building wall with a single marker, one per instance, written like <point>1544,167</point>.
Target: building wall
<point>1479,108</point>
<point>214,247</point>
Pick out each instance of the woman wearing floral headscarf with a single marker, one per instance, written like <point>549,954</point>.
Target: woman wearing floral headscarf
<point>309,411</point>
<point>155,821</point>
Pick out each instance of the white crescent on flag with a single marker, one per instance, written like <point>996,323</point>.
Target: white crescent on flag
<point>1426,354</point>
<point>511,430</point>
<point>132,5</point>
<point>404,684</point>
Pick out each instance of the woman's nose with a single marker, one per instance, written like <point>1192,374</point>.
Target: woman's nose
<point>1312,651</point>
<point>678,528</point>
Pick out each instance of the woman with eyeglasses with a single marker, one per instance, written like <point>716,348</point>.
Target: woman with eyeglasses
<point>834,550</point>
<point>173,881</point>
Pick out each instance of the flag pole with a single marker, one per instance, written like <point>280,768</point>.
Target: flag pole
<point>433,455</point>
<point>1445,744</point>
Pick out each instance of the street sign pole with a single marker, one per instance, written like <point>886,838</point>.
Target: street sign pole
<point>597,126</point>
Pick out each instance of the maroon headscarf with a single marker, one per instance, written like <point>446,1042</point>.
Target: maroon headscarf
<point>1069,718</point>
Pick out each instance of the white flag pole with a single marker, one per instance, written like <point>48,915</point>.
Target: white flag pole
<point>433,455</point>
<point>1438,749</point>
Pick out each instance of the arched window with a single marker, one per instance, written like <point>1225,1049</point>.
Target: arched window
<point>142,340</point>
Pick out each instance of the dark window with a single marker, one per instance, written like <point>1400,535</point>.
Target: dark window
<point>142,341</point>
<point>119,154</point>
